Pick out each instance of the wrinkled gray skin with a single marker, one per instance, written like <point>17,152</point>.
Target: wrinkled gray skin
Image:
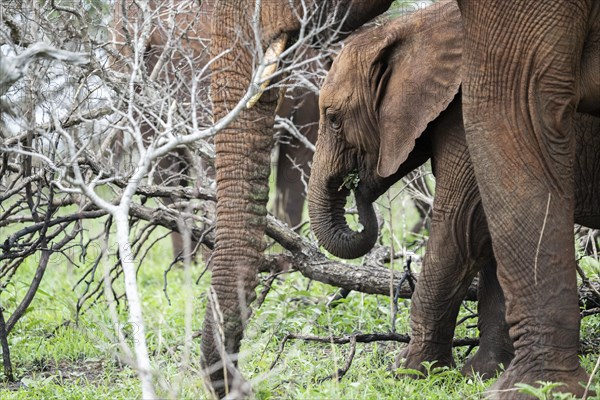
<point>243,162</point>
<point>191,41</point>
<point>377,101</point>
<point>525,73</point>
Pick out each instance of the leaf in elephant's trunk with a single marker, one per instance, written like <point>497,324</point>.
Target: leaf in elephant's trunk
<point>350,182</point>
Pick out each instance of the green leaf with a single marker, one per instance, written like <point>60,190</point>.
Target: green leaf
<point>410,372</point>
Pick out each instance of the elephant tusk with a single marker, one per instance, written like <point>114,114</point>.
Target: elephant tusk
<point>271,61</point>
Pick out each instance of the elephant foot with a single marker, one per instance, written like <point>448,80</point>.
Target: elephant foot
<point>487,363</point>
<point>571,382</point>
<point>415,355</point>
<point>234,387</point>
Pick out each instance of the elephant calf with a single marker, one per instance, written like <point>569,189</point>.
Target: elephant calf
<point>390,102</point>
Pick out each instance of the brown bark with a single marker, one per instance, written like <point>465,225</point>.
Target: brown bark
<point>368,277</point>
<point>303,256</point>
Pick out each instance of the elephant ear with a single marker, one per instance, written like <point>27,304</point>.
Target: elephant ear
<point>415,75</point>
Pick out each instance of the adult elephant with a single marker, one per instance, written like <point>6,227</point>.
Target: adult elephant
<point>174,54</point>
<point>301,108</point>
<point>522,68</point>
<point>392,97</point>
<point>242,156</point>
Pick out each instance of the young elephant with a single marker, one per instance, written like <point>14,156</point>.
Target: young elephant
<point>390,102</point>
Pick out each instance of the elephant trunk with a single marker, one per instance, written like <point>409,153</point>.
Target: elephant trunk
<point>326,202</point>
<point>242,164</point>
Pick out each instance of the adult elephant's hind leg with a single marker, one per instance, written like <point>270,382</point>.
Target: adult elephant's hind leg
<point>495,350</point>
<point>519,98</point>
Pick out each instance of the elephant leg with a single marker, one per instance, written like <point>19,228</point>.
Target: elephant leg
<point>175,169</point>
<point>290,195</point>
<point>495,346</point>
<point>293,167</point>
<point>519,98</point>
<point>458,247</point>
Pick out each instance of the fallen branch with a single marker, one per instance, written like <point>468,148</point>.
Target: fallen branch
<point>361,338</point>
<point>369,277</point>
<point>371,337</point>
<point>591,311</point>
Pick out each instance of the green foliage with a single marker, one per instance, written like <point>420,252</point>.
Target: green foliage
<point>543,391</point>
<point>55,357</point>
<point>350,181</point>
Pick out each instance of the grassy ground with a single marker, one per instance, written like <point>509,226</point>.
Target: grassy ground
<point>57,355</point>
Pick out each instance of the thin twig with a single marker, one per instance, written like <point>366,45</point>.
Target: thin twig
<point>407,276</point>
<point>339,374</point>
<point>587,387</point>
<point>266,288</point>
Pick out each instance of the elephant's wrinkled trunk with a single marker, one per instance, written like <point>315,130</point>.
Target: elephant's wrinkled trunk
<point>328,221</point>
<point>242,165</point>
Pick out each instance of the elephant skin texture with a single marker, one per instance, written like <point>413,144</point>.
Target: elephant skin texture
<point>393,124</point>
<point>242,159</point>
<point>522,65</point>
<point>192,40</point>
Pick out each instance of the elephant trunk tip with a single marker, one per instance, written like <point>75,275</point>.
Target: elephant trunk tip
<point>328,221</point>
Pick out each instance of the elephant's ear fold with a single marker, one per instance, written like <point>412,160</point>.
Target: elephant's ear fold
<point>416,74</point>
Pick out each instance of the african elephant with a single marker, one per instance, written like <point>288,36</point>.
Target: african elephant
<point>523,77</point>
<point>301,106</point>
<point>173,53</point>
<point>171,57</point>
<point>242,152</point>
<point>391,100</point>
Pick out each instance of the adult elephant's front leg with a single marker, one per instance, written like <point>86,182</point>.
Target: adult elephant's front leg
<point>519,98</point>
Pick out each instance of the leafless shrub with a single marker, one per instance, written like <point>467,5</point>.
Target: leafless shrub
<point>96,128</point>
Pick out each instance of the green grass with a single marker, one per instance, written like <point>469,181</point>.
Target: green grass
<point>57,356</point>
<point>57,360</point>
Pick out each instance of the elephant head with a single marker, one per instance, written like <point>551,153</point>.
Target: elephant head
<point>415,58</point>
<point>240,32</point>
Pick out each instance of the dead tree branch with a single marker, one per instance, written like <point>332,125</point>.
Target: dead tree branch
<point>360,338</point>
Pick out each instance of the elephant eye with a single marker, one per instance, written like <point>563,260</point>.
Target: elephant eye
<point>334,120</point>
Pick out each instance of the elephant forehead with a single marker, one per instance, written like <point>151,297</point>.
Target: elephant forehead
<point>344,78</point>
<point>336,93</point>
